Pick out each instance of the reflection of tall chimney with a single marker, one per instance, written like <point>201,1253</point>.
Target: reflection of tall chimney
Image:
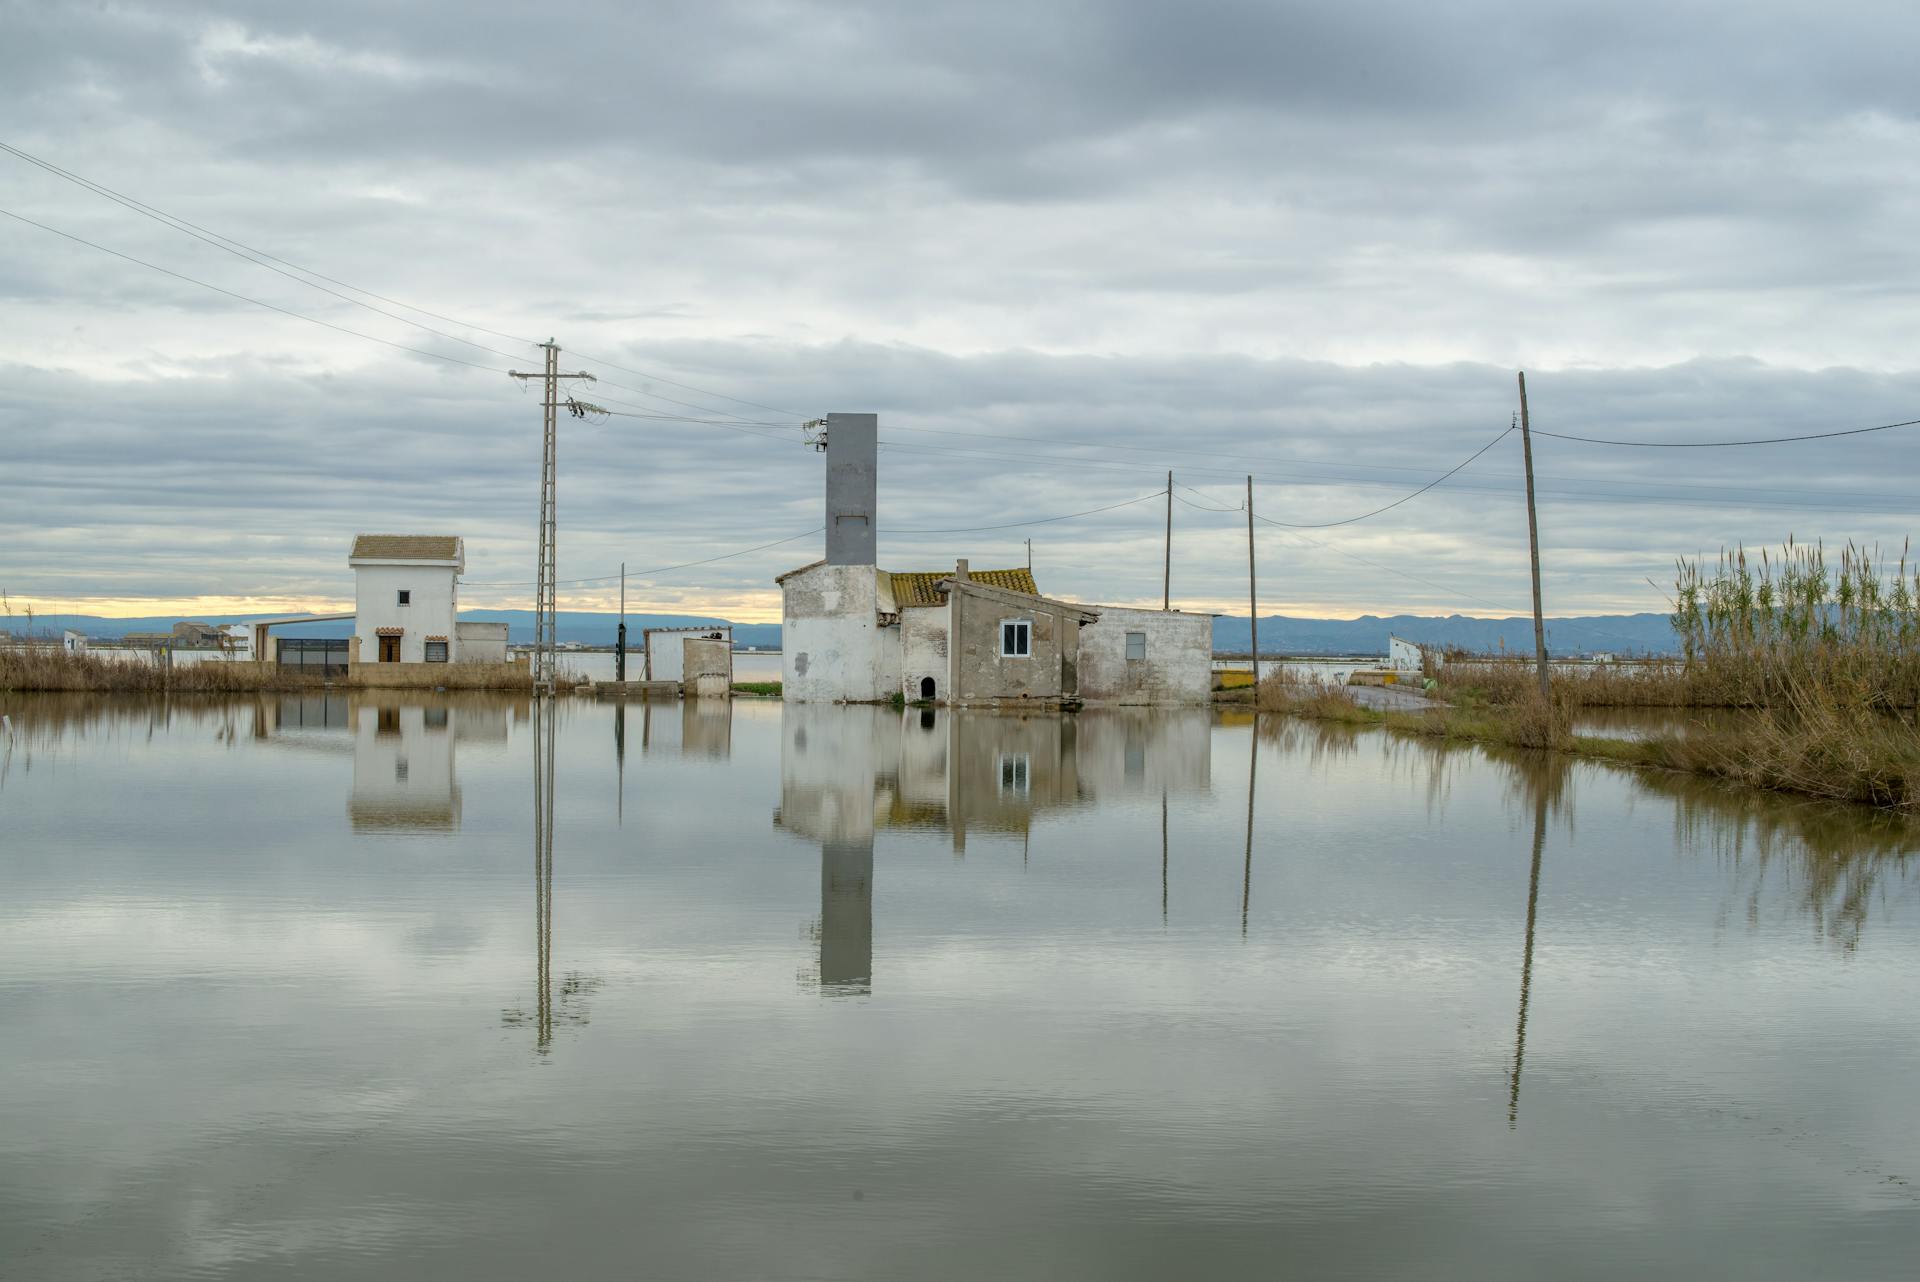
<point>846,915</point>
<point>852,488</point>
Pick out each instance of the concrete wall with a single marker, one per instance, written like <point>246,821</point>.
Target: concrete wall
<point>852,488</point>
<point>480,642</point>
<point>433,610</point>
<point>923,651</point>
<point>454,676</point>
<point>833,649</point>
<point>981,674</point>
<point>706,668</point>
<point>1178,668</point>
<point>665,658</point>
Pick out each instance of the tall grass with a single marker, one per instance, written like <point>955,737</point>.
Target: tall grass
<point>1757,634</point>
<point>49,668</point>
<point>1823,658</point>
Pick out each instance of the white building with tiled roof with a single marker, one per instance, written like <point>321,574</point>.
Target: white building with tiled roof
<point>407,597</point>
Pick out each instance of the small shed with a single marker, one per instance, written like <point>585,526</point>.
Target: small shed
<point>1404,655</point>
<point>667,655</point>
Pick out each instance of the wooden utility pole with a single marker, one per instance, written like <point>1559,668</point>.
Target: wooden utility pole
<point>545,624</point>
<point>1253,594</point>
<point>1533,542</point>
<point>1166,564</point>
<point>620,638</point>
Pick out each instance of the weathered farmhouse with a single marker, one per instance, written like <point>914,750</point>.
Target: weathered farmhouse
<point>854,633</point>
<point>407,603</point>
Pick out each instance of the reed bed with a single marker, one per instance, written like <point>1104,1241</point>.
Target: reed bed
<point>1825,657</point>
<point>58,670</point>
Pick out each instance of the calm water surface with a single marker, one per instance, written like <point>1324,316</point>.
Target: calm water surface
<point>305,988</point>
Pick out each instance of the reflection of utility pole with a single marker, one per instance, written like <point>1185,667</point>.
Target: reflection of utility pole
<point>1246,875</point>
<point>620,760</point>
<point>544,624</point>
<point>1526,963</point>
<point>543,729</point>
<point>1163,857</point>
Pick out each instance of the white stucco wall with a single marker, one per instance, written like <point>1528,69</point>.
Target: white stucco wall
<point>832,646</point>
<point>1178,667</point>
<point>480,642</point>
<point>433,610</point>
<point>923,650</point>
<point>665,649</point>
<point>1403,655</point>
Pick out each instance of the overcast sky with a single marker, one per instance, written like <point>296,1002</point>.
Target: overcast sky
<point>1059,248</point>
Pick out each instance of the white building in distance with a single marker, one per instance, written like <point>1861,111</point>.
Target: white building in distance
<point>407,597</point>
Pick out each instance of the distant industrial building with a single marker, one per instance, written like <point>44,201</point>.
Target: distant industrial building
<point>854,633</point>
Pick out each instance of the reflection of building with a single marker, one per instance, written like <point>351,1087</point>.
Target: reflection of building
<point>403,769</point>
<point>846,773</point>
<point>692,728</point>
<point>403,749</point>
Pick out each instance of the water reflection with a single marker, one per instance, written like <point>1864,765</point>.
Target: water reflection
<point>404,750</point>
<point>273,1046</point>
<point>846,773</point>
<point>690,728</point>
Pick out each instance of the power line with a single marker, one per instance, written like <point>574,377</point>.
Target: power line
<point>272,307</point>
<point>262,258</point>
<point>1202,507</point>
<point>256,257</point>
<point>1043,520</point>
<point>1387,569</point>
<point>1712,445</point>
<point>662,569</point>
<point>1352,520</point>
<point>141,206</point>
<point>688,387</point>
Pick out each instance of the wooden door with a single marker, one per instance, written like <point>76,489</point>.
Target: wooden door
<point>389,649</point>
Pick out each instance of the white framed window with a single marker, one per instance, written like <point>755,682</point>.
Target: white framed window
<point>1136,645</point>
<point>1016,638</point>
<point>406,596</point>
<point>436,652</point>
<point>1016,774</point>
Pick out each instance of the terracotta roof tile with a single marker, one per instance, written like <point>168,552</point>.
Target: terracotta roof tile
<point>916,588</point>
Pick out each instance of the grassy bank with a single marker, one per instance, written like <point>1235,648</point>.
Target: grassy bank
<point>769,688</point>
<point>1807,744</point>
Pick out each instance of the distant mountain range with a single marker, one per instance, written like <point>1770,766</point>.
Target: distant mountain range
<point>1625,634</point>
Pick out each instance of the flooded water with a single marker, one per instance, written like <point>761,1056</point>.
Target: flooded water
<point>423,988</point>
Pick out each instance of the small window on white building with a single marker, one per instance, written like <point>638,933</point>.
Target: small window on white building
<point>1016,638</point>
<point>436,652</point>
<point>1016,774</point>
<point>1136,645</point>
<point>406,596</point>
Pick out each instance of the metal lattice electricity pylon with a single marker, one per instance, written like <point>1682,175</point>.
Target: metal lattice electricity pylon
<point>544,624</point>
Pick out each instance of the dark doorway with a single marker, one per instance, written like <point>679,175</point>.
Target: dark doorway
<point>389,649</point>
<point>926,687</point>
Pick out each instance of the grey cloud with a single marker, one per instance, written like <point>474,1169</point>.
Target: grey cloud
<point>1301,241</point>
